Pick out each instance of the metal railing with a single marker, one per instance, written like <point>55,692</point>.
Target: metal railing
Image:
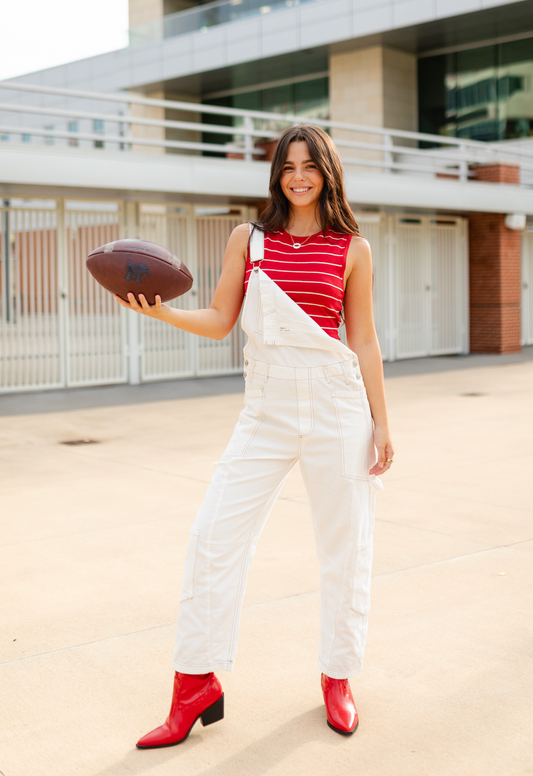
<point>205,16</point>
<point>384,150</point>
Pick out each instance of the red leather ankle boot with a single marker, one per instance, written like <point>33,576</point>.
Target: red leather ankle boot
<point>194,696</point>
<point>340,707</point>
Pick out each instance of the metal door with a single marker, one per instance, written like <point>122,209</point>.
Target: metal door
<point>527,286</point>
<point>448,286</point>
<point>431,286</point>
<point>413,283</point>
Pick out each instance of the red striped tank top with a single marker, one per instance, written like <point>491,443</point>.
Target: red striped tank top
<point>312,276</point>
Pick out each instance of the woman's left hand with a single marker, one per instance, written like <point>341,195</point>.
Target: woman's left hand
<point>383,444</point>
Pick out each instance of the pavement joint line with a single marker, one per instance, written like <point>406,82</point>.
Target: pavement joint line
<point>270,602</point>
<point>129,464</point>
<point>467,500</point>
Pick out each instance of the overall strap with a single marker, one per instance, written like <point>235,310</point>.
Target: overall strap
<point>257,246</point>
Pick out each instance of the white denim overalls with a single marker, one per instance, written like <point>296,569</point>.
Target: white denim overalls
<point>304,401</point>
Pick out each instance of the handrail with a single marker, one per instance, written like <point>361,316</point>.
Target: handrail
<point>219,111</point>
<point>450,156</point>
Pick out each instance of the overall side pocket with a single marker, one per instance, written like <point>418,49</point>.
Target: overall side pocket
<point>356,439</point>
<point>362,578</point>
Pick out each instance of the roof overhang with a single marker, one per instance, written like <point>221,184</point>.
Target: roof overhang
<point>105,174</point>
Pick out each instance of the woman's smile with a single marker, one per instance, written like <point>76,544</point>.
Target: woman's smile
<point>301,180</point>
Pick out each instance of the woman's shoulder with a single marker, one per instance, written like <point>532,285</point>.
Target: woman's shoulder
<point>359,253</point>
<point>242,229</point>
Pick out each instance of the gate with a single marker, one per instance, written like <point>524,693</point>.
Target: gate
<point>58,326</point>
<point>430,260</point>
<point>198,235</point>
<point>95,332</point>
<point>30,353</point>
<point>527,286</point>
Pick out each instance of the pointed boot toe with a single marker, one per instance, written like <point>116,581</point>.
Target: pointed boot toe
<point>195,696</point>
<point>340,707</point>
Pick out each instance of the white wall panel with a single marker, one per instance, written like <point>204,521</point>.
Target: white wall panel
<point>527,287</point>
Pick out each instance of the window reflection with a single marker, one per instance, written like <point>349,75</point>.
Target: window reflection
<point>482,94</point>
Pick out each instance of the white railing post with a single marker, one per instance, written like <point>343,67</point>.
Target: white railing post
<point>463,164</point>
<point>388,157</point>
<point>248,139</point>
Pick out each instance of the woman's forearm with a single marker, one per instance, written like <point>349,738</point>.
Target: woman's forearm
<point>371,363</point>
<point>205,323</point>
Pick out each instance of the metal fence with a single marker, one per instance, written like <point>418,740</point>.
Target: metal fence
<point>59,328</point>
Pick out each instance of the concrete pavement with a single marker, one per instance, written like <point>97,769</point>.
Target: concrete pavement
<point>91,550</point>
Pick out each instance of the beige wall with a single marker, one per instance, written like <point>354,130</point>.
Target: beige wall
<point>374,87</point>
<point>162,133</point>
<point>148,112</point>
<point>182,115</point>
<point>142,11</point>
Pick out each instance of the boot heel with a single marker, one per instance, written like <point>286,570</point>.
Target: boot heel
<point>214,713</point>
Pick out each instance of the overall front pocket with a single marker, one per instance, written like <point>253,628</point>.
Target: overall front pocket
<point>355,432</point>
<point>249,420</point>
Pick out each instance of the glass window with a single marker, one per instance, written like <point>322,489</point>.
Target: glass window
<point>307,98</point>
<point>73,127</point>
<point>481,94</point>
<point>49,139</point>
<point>98,128</point>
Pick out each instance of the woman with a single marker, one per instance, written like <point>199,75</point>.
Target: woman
<point>309,398</point>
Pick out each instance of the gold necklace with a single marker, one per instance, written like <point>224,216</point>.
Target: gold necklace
<point>298,244</point>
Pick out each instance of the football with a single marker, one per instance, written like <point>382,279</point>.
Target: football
<point>139,267</point>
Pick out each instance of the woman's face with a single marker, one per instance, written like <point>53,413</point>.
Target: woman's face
<point>301,180</point>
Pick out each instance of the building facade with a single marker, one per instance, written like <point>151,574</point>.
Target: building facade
<point>430,103</point>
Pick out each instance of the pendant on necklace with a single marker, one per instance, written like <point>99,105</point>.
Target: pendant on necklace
<point>297,245</point>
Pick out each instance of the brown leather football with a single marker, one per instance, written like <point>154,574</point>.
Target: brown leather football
<point>139,267</point>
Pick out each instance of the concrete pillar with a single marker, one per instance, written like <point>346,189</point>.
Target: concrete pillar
<point>374,87</point>
<point>494,274</point>
<point>143,11</point>
<point>140,131</point>
<point>191,136</point>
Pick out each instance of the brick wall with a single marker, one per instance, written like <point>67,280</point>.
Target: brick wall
<point>495,274</point>
<point>497,173</point>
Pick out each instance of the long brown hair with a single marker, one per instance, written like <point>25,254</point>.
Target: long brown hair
<point>333,208</point>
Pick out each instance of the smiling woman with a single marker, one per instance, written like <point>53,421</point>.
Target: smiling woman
<point>308,398</point>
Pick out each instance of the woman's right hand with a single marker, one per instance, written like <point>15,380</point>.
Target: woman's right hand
<point>157,310</point>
